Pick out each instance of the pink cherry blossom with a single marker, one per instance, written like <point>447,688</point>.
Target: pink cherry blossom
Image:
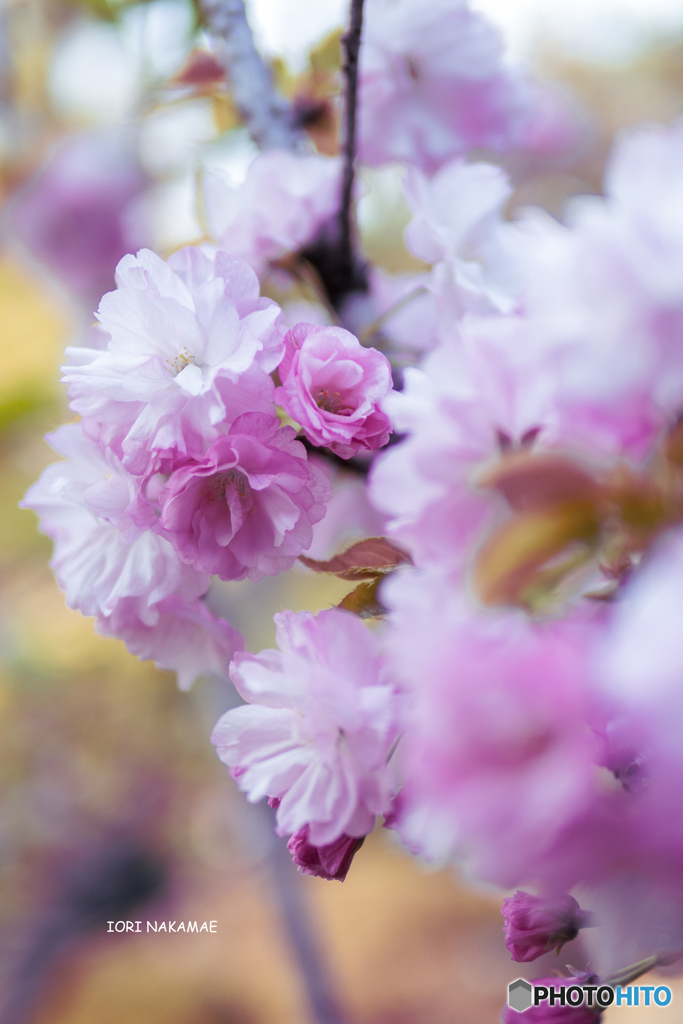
<point>184,637</point>
<point>433,85</point>
<point>407,306</point>
<point>333,386</point>
<point>318,728</point>
<point>79,215</point>
<point>498,753</point>
<point>536,924</point>
<point>458,226</point>
<point>125,575</point>
<point>605,291</point>
<point>248,506</point>
<point>331,861</point>
<point>486,379</point>
<point>282,205</point>
<point>184,334</point>
<point>97,564</point>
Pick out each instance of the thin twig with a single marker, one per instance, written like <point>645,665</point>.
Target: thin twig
<point>361,467</point>
<point>267,114</point>
<point>304,271</point>
<point>351,43</point>
<point>629,974</point>
<point>373,328</point>
<point>356,464</point>
<point>333,253</point>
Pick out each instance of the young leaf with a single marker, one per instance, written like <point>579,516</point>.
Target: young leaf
<point>363,600</point>
<point>366,560</point>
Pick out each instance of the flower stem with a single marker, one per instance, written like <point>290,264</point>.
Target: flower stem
<point>303,940</point>
<point>629,974</point>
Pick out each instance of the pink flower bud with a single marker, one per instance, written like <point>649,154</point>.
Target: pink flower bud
<point>332,861</point>
<point>534,925</point>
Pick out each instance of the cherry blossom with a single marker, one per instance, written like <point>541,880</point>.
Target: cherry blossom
<point>331,861</point>
<point>184,637</point>
<point>283,204</point>
<point>82,213</point>
<point>182,335</point>
<point>333,387</point>
<point>434,86</point>
<point>248,506</point>
<point>536,924</point>
<point>126,576</point>
<point>318,727</point>
<point>497,756</point>
<point>458,226</point>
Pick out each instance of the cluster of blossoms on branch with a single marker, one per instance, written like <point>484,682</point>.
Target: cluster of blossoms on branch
<point>519,705</point>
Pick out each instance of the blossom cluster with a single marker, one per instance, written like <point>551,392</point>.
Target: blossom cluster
<point>180,469</point>
<point>519,707</point>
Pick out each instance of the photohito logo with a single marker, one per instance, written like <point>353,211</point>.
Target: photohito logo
<point>522,994</point>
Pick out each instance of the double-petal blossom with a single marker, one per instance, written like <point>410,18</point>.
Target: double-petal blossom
<point>318,728</point>
<point>247,508</point>
<point>184,334</point>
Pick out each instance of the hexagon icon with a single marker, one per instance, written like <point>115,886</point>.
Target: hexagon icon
<point>519,995</point>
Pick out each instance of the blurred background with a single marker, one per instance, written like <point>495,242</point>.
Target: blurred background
<point>113,805</point>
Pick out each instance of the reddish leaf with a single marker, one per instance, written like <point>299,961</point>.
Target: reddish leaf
<point>201,68</point>
<point>370,558</point>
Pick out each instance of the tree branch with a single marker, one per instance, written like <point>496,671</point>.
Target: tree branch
<point>351,44</point>
<point>267,114</point>
<point>333,253</point>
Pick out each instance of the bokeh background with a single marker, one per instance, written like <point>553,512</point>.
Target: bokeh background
<point>113,805</point>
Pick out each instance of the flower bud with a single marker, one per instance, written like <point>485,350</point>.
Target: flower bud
<point>332,861</point>
<point>534,925</point>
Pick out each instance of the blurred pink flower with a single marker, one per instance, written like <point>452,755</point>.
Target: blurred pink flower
<point>183,335</point>
<point>282,205</point>
<point>332,386</point>
<point>248,506</point>
<point>458,226</point>
<point>318,728</point>
<point>536,924</point>
<point>498,753</point>
<point>433,85</point>
<point>605,292</point>
<point>410,304</point>
<point>79,215</point>
<point>349,516</point>
<point>185,637</point>
<point>483,380</point>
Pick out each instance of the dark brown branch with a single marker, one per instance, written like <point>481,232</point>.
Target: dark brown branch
<point>333,253</point>
<point>357,464</point>
<point>351,44</point>
<point>361,467</point>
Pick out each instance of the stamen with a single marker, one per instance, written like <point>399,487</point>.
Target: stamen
<point>332,402</point>
<point>217,485</point>
<point>183,359</point>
